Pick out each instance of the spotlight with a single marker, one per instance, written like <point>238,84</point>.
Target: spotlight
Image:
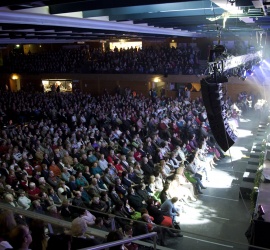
<point>261,210</point>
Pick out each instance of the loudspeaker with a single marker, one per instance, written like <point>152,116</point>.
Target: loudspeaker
<point>212,96</point>
<point>221,130</point>
<point>245,190</point>
<point>216,112</point>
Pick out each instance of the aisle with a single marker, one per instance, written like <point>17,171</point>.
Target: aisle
<point>219,219</point>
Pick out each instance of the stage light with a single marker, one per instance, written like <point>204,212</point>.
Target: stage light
<point>261,210</point>
<point>231,2</point>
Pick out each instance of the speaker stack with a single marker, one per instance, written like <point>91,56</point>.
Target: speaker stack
<point>212,94</point>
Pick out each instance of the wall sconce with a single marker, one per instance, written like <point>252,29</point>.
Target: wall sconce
<point>14,77</point>
<point>156,79</point>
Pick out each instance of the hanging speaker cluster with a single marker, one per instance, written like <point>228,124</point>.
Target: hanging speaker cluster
<point>212,94</point>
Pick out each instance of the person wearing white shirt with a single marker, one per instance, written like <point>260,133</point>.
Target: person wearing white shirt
<point>24,201</point>
<point>103,163</point>
<point>173,161</point>
<point>87,217</point>
<point>63,191</point>
<point>179,152</point>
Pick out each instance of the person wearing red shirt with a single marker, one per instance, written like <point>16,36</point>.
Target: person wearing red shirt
<point>55,169</point>
<point>137,155</point>
<point>33,191</point>
<point>119,167</point>
<point>112,157</point>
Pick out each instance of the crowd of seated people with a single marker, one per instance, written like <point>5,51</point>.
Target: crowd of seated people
<point>150,60</point>
<point>136,157</point>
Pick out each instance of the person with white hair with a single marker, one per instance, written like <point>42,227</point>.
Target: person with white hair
<point>43,185</point>
<point>33,191</point>
<point>9,198</point>
<point>65,175</point>
<point>102,162</point>
<point>100,183</point>
<point>80,239</point>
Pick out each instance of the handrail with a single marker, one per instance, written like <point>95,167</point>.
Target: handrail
<point>110,215</point>
<point>92,231</point>
<point>120,242</point>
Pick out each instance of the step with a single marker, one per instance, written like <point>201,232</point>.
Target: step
<point>251,168</point>
<point>245,190</point>
<point>255,155</point>
<point>260,138</point>
<point>257,144</point>
<point>256,149</point>
<point>249,177</point>
<point>253,161</point>
<point>261,134</point>
<point>258,141</point>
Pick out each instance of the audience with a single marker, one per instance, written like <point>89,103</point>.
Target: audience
<point>149,60</point>
<point>63,149</point>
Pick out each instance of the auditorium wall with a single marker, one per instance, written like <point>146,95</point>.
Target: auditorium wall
<point>140,83</point>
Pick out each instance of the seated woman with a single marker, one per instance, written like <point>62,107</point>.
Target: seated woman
<point>196,168</point>
<point>207,153</point>
<point>155,186</point>
<point>180,187</point>
<point>195,180</point>
<point>95,169</point>
<point>119,167</point>
<point>79,237</point>
<point>203,166</point>
<point>133,214</point>
<point>166,171</point>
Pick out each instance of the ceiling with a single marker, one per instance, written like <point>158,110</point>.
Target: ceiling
<point>69,21</point>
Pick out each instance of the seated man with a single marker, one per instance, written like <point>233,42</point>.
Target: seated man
<point>135,200</point>
<point>168,208</point>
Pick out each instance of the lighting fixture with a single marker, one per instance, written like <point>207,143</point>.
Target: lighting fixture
<point>232,2</point>
<point>261,210</point>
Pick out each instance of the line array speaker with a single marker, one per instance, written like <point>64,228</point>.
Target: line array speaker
<point>212,95</point>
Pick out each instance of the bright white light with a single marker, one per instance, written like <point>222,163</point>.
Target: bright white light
<point>219,179</point>
<point>243,133</point>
